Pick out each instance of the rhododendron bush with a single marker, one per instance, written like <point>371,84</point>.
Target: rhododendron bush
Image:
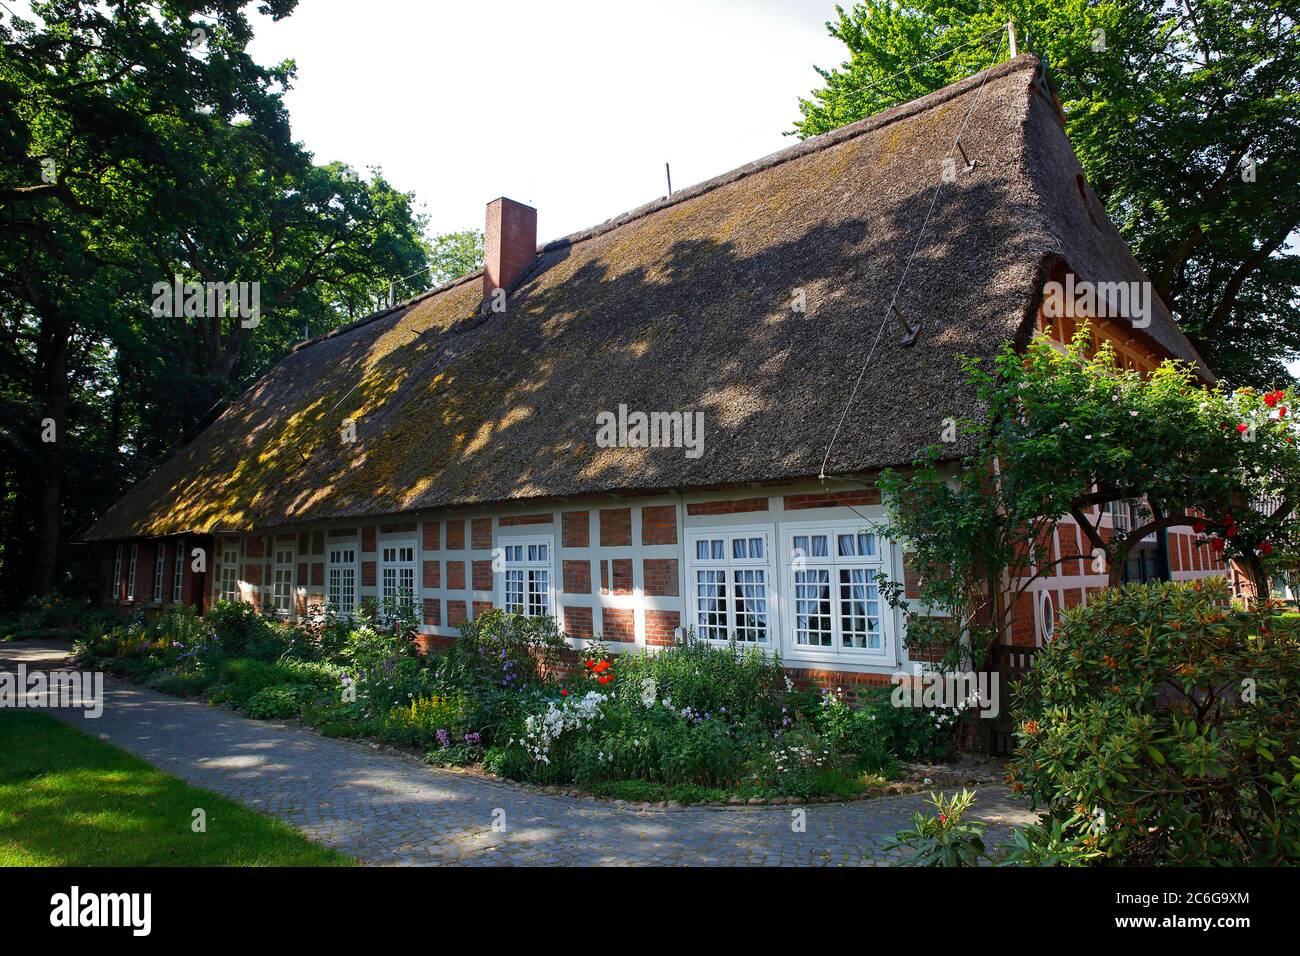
<point>1161,724</point>
<point>1058,433</point>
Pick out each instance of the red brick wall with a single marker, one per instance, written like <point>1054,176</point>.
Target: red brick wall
<point>576,532</point>
<point>455,613</point>
<point>455,575</point>
<point>659,524</point>
<point>481,534</point>
<point>615,527</point>
<point>660,627</point>
<point>577,577</point>
<point>514,520</point>
<point>577,622</point>
<point>456,535</point>
<point>482,576</point>
<point>367,574</point>
<point>432,577</point>
<point>727,507</point>
<point>432,535</point>
<point>621,568</point>
<point>660,575</point>
<point>620,624</point>
<point>368,539</point>
<point>833,499</point>
<point>433,612</point>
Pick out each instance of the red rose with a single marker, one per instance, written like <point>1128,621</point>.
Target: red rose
<point>564,692</point>
<point>1199,527</point>
<point>1281,411</point>
<point>1265,547</point>
<point>1243,427</point>
<point>1217,544</point>
<point>1272,398</point>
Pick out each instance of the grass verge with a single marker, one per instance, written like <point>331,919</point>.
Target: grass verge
<point>69,799</point>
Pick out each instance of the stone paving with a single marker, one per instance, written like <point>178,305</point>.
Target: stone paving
<point>386,810</point>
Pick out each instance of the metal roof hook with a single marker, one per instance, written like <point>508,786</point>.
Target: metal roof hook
<point>910,331</point>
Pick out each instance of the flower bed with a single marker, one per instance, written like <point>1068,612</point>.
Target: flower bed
<point>694,723</point>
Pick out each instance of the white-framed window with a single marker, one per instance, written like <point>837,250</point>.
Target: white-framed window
<point>835,599</point>
<point>117,574</point>
<point>130,573</point>
<point>528,575</point>
<point>730,575</point>
<point>178,571</point>
<point>396,576</point>
<point>159,569</point>
<point>229,572</point>
<point>282,580</point>
<point>1046,617</point>
<point>341,578</point>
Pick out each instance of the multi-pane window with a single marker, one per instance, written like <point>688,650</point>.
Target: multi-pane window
<point>341,579</point>
<point>730,574</point>
<point>230,573</point>
<point>159,569</point>
<point>117,574</point>
<point>527,578</point>
<point>178,571</point>
<point>396,577</point>
<point>130,573</point>
<point>835,585</point>
<point>282,581</point>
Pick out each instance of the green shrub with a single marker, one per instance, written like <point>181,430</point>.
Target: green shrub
<point>243,677</point>
<point>431,721</point>
<point>183,685</point>
<point>502,650</point>
<point>943,838</point>
<point>915,734</point>
<point>278,702</point>
<point>243,632</point>
<point>731,682</point>
<point>1159,726</point>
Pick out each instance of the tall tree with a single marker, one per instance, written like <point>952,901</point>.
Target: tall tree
<point>138,143</point>
<point>1184,113</point>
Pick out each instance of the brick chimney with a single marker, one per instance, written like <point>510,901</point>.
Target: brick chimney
<point>509,244</point>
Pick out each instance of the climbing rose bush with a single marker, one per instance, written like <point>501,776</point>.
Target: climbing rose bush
<point>1161,725</point>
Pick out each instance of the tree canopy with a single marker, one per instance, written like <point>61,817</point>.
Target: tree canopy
<point>1185,115</point>
<point>141,144</point>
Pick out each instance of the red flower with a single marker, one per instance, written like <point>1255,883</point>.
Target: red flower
<point>1272,398</point>
<point>601,667</point>
<point>1217,544</point>
<point>1266,547</point>
<point>1199,527</point>
<point>1281,411</point>
<point>564,692</point>
<point>606,678</point>
<point>589,664</point>
<point>1243,427</point>
<point>943,818</point>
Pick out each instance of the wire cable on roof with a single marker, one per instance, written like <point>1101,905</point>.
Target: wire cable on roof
<point>907,267</point>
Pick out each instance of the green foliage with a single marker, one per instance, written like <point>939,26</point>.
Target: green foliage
<point>1069,430</point>
<point>500,649</point>
<point>1159,727</point>
<point>1165,105</point>
<point>425,721</point>
<point>278,702</point>
<point>455,254</point>
<point>943,839</point>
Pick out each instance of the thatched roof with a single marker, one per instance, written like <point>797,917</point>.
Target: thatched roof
<point>683,304</point>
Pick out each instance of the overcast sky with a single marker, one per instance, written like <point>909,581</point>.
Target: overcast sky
<point>572,106</point>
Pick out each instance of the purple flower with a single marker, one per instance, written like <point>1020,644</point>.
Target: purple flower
<point>444,738</point>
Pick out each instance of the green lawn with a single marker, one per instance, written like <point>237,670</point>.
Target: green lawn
<point>68,799</point>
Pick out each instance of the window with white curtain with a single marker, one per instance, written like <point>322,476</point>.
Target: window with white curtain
<point>527,577</point>
<point>282,580</point>
<point>730,576</point>
<point>396,577</point>
<point>341,579</point>
<point>835,600</point>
